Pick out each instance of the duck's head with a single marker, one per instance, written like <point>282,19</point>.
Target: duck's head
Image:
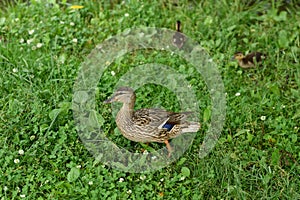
<point>238,56</point>
<point>123,94</point>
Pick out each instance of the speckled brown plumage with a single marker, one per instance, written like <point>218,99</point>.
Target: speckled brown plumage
<point>250,60</point>
<point>178,37</point>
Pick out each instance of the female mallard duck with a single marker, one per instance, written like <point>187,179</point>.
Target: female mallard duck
<point>250,60</point>
<point>149,125</point>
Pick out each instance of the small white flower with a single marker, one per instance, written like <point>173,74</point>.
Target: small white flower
<point>182,178</point>
<point>283,106</point>
<point>78,166</point>
<point>75,40</point>
<point>18,189</point>
<point>145,152</point>
<point>162,179</point>
<point>263,118</point>
<point>32,137</point>
<point>72,24</point>
<point>237,94</point>
<point>90,183</point>
<point>5,188</point>
<point>16,160</point>
<point>22,40</point>
<point>29,41</point>
<point>39,45</point>
<point>153,157</point>
<point>126,15</point>
<point>113,73</point>
<point>17,19</point>
<point>31,32</point>
<point>226,94</point>
<point>46,181</point>
<point>129,192</point>
<point>62,22</point>
<point>162,49</point>
<point>142,177</point>
<point>22,195</point>
<point>15,70</point>
<point>21,152</point>
<point>121,180</point>
<point>189,86</point>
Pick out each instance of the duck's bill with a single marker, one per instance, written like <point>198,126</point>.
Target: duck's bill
<point>110,100</point>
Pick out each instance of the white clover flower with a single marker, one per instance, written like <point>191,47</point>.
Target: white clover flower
<point>182,178</point>
<point>62,22</point>
<point>39,45</point>
<point>22,195</point>
<point>153,157</point>
<point>189,86</point>
<point>21,152</point>
<point>263,118</point>
<point>129,192</point>
<point>75,40</point>
<point>145,152</point>
<point>29,41</point>
<point>121,180</point>
<point>17,19</point>
<point>16,160</point>
<point>126,15</point>
<point>46,181</point>
<point>283,106</point>
<point>237,94</point>
<point>31,32</point>
<point>113,73</point>
<point>142,177</point>
<point>78,166</point>
<point>162,179</point>
<point>15,70</point>
<point>22,40</point>
<point>72,24</point>
<point>5,188</point>
<point>90,183</point>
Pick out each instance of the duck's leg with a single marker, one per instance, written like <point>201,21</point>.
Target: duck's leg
<point>168,147</point>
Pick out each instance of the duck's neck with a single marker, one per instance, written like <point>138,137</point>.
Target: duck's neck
<point>127,110</point>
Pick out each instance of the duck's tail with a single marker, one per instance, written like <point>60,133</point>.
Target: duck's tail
<point>191,127</point>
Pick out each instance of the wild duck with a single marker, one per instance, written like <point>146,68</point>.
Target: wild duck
<point>178,37</point>
<point>250,60</point>
<point>149,124</point>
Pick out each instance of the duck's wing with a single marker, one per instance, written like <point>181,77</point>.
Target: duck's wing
<point>255,57</point>
<point>158,118</point>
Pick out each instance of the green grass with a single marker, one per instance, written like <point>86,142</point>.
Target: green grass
<point>253,159</point>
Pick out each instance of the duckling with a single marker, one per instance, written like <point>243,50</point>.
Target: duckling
<point>178,37</point>
<point>250,60</point>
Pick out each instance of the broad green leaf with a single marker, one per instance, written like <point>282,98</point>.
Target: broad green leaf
<point>185,171</point>
<point>73,175</point>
